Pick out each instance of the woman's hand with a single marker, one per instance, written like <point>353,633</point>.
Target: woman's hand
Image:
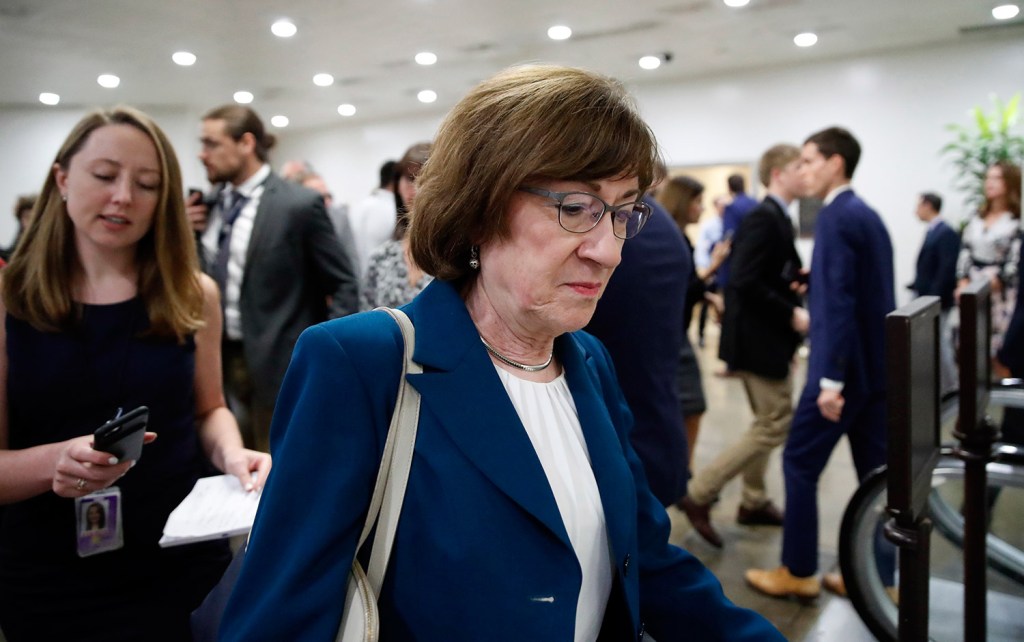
<point>251,467</point>
<point>81,470</point>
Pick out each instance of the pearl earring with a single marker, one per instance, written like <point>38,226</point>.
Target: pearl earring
<point>474,257</point>
<point>64,197</point>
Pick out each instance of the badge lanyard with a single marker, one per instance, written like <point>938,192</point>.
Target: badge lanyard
<point>98,517</point>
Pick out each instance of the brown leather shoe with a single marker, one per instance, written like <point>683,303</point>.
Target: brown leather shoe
<point>767,515</point>
<point>700,516</point>
<point>779,582</point>
<point>834,583</point>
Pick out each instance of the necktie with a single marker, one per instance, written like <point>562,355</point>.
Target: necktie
<point>231,204</point>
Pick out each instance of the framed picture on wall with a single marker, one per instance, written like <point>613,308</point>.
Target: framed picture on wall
<point>808,209</point>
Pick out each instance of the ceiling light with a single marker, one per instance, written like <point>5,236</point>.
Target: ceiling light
<point>346,109</point>
<point>49,99</point>
<point>650,62</point>
<point>559,32</point>
<point>243,97</point>
<point>323,80</point>
<point>425,58</point>
<point>736,3</point>
<point>1005,12</point>
<point>110,81</point>
<point>427,96</point>
<point>806,39</point>
<point>279,121</point>
<point>283,29</point>
<point>184,58</point>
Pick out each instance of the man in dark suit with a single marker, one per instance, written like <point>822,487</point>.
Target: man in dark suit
<point>851,292</point>
<point>936,276</point>
<point>273,251</point>
<point>761,330</point>
<point>648,290</point>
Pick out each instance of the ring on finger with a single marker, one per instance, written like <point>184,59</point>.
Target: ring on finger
<point>80,484</point>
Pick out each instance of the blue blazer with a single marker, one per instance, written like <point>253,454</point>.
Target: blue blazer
<point>851,291</point>
<point>1011,354</point>
<point>936,264</point>
<point>480,551</point>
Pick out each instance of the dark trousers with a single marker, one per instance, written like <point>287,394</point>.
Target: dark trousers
<point>253,415</point>
<point>812,439</point>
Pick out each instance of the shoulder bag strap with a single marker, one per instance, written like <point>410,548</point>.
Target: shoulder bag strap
<point>393,475</point>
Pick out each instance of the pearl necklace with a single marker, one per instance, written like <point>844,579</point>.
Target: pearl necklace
<point>515,364</point>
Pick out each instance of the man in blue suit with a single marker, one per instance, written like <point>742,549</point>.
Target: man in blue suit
<point>851,292</point>
<point>648,290</point>
<point>733,215</point>
<point>936,276</point>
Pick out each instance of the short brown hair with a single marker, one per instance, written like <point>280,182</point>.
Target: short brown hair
<point>836,140</point>
<point>37,281</point>
<point>777,157</point>
<point>239,121</point>
<point>526,123</point>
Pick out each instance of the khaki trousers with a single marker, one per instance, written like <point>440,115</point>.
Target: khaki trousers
<point>771,400</point>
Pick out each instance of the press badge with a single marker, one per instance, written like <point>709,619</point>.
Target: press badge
<point>98,522</point>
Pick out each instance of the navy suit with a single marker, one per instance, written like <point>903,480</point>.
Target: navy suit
<point>648,290</point>
<point>936,264</point>
<point>481,552</point>
<point>851,292</point>
<point>1011,355</point>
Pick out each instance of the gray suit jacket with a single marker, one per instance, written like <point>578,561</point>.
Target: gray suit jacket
<point>294,267</point>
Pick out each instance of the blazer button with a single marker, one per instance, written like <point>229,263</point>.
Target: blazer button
<point>625,565</point>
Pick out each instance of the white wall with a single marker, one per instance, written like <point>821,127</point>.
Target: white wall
<point>896,103</point>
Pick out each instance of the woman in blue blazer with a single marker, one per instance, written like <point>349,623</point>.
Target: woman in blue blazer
<point>527,515</point>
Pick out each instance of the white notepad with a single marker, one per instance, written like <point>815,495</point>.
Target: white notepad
<point>218,507</point>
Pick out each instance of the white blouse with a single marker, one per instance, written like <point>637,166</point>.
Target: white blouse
<point>549,414</point>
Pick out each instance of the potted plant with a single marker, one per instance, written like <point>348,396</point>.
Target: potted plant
<point>988,139</point>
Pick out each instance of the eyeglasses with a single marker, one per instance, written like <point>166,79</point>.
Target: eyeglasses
<point>580,212</point>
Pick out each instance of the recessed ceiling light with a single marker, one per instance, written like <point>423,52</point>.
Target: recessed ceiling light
<point>1005,12</point>
<point>427,96</point>
<point>49,99</point>
<point>806,39</point>
<point>243,97</point>
<point>559,32</point>
<point>425,58</point>
<point>736,3</point>
<point>323,80</point>
<point>109,81</point>
<point>279,121</point>
<point>184,58</point>
<point>283,29</point>
<point>346,109</point>
<point>650,62</point>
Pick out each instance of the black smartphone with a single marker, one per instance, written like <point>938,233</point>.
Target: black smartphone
<point>192,191</point>
<point>122,436</point>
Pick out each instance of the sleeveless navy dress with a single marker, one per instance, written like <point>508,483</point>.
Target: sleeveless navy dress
<point>64,385</point>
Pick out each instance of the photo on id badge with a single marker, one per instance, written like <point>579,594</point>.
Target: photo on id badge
<point>99,522</point>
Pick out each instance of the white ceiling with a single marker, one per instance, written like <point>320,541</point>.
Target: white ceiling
<point>61,46</point>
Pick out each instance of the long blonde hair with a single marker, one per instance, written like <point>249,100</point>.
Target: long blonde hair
<point>37,282</point>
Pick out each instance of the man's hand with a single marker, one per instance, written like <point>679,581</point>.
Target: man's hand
<point>830,403</point>
<point>801,320</point>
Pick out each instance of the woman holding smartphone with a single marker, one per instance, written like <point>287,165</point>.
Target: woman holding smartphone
<point>105,310</point>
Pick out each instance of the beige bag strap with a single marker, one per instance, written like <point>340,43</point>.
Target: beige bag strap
<point>393,475</point>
